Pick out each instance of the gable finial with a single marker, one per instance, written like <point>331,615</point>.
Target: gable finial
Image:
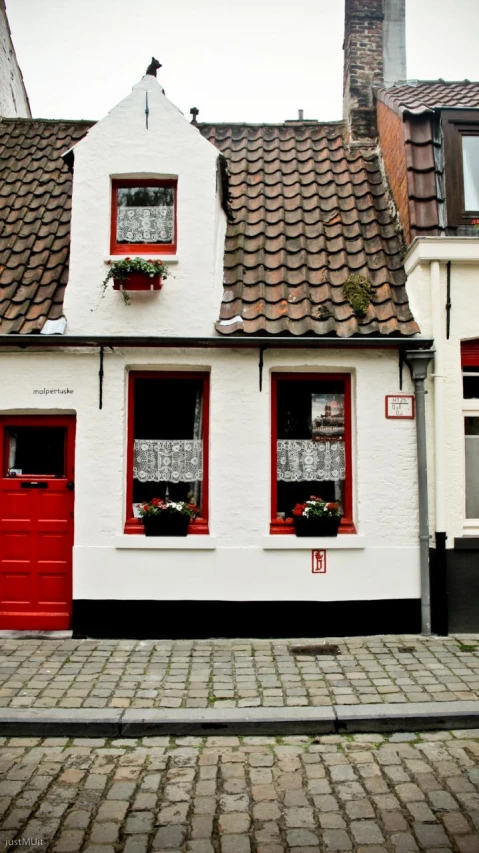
<point>153,67</point>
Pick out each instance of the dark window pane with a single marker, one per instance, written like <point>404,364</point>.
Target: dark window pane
<point>36,450</point>
<point>470,385</point>
<point>470,161</point>
<point>310,427</point>
<point>295,405</point>
<point>168,439</point>
<point>145,215</point>
<point>471,429</point>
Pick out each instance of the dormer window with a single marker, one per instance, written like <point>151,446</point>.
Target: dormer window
<point>461,144</point>
<point>143,217</point>
<point>470,171</point>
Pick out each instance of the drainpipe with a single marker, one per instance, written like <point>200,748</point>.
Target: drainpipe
<point>438,301</point>
<point>418,362</point>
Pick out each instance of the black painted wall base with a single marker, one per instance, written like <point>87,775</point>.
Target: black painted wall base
<point>208,619</point>
<point>463,586</point>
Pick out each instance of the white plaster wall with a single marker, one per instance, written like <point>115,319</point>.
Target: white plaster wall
<point>13,97</point>
<point>464,326</point>
<point>121,145</point>
<point>385,564</point>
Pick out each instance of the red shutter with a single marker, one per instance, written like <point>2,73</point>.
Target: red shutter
<point>470,353</point>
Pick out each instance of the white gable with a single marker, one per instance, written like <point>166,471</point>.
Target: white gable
<point>122,146</point>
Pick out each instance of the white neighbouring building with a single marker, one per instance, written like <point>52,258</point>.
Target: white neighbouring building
<point>429,139</point>
<point>218,377</point>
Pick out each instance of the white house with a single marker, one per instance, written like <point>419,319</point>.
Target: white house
<point>213,385</point>
<point>429,138</point>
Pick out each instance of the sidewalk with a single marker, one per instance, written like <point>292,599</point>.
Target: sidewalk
<point>237,680</point>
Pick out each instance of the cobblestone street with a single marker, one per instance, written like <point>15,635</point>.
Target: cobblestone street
<point>49,673</point>
<point>362,793</point>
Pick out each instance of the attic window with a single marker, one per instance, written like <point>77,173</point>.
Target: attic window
<point>143,216</point>
<point>470,171</point>
<point>461,145</point>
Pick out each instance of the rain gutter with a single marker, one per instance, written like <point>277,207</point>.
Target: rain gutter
<point>214,341</point>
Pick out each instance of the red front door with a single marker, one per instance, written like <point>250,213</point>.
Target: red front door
<point>36,521</point>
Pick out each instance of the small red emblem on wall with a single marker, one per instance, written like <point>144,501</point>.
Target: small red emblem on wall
<point>318,562</point>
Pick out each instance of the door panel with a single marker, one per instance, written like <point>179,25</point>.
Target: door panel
<point>36,522</point>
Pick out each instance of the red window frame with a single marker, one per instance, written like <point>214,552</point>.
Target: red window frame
<point>286,526</point>
<point>140,248</point>
<point>198,525</point>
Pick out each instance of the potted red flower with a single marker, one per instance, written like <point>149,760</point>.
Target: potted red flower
<point>163,517</point>
<point>135,274</point>
<point>316,517</point>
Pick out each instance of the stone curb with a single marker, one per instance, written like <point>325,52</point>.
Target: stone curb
<point>138,722</point>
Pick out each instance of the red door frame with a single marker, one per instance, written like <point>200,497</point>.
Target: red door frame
<point>279,525</point>
<point>47,420</point>
<point>198,525</point>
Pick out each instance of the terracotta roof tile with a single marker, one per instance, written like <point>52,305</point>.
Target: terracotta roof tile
<point>420,103</point>
<point>35,204</point>
<point>307,213</point>
<point>423,96</point>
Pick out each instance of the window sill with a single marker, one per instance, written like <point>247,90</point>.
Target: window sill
<point>290,542</point>
<point>470,528</point>
<point>165,258</point>
<point>165,543</point>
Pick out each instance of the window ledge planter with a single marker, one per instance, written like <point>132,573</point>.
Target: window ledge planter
<point>166,524</point>
<point>133,274</point>
<point>316,526</point>
<point>138,281</point>
<point>164,517</point>
<point>316,517</point>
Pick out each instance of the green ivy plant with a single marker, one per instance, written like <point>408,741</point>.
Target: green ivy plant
<point>120,270</point>
<point>358,290</point>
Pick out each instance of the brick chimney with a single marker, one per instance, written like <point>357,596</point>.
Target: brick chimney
<point>374,52</point>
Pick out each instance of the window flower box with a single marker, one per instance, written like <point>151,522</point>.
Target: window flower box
<point>138,281</point>
<point>166,525</point>
<point>316,526</point>
<point>133,274</point>
<point>316,517</point>
<point>163,517</point>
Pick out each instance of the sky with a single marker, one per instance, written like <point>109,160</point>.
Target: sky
<point>236,60</point>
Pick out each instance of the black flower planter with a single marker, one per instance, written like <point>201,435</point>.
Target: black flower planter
<point>166,524</point>
<point>316,526</point>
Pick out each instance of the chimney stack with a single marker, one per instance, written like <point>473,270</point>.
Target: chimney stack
<point>374,52</point>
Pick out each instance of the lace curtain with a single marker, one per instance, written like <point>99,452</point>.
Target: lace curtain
<point>145,224</point>
<point>164,461</point>
<point>310,460</point>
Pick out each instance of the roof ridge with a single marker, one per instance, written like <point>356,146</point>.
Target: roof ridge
<point>19,120</point>
<point>414,83</point>
<point>286,123</point>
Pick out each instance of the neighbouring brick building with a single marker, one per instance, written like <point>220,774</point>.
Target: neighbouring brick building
<point>270,367</point>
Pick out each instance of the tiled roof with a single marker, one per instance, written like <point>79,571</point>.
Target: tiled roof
<point>35,209</point>
<point>423,96</point>
<point>419,103</point>
<point>307,215</point>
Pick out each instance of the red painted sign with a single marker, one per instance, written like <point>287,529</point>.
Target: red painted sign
<point>318,562</point>
<point>400,406</point>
